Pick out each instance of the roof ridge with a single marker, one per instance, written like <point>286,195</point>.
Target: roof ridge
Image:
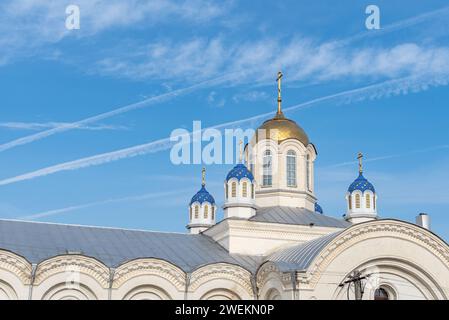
<point>91,226</point>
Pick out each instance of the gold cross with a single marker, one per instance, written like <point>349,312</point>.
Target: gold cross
<point>360,158</point>
<point>278,79</point>
<point>203,177</point>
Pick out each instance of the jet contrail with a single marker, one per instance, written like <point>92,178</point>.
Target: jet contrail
<point>375,91</point>
<point>138,105</point>
<point>103,202</point>
<point>397,25</point>
<point>392,156</point>
<point>142,104</point>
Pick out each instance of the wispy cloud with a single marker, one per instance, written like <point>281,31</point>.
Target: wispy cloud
<point>251,96</point>
<point>45,125</point>
<point>28,25</point>
<point>142,197</point>
<point>301,59</point>
<point>215,100</point>
<point>199,59</point>
<point>384,89</point>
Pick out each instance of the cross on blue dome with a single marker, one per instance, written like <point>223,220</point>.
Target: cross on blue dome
<point>361,184</point>
<point>239,172</point>
<point>203,195</point>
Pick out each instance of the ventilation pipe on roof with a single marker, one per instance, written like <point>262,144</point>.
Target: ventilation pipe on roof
<point>423,220</point>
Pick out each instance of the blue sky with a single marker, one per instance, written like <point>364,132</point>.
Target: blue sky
<point>216,63</point>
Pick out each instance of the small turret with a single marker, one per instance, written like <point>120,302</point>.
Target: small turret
<point>202,209</point>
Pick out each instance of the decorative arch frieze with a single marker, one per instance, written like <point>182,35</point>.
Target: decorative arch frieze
<point>16,265</point>
<point>157,267</point>
<point>70,263</point>
<point>222,271</point>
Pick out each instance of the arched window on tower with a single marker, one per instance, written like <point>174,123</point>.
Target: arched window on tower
<point>357,201</point>
<point>206,211</point>
<point>291,168</point>
<point>267,169</point>
<point>197,212</point>
<point>244,189</point>
<point>213,213</point>
<point>226,190</point>
<point>308,174</point>
<point>190,213</point>
<point>234,189</point>
<point>350,202</point>
<point>252,190</point>
<point>368,200</point>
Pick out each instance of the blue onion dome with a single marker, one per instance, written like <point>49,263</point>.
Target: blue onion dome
<point>203,196</point>
<point>361,184</point>
<point>239,172</point>
<point>318,208</point>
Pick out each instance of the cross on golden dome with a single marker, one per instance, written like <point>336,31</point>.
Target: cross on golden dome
<point>278,79</point>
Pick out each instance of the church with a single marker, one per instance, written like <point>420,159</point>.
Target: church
<point>275,242</point>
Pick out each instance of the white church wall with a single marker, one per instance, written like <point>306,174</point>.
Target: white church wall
<point>260,238</point>
<point>148,278</point>
<point>15,275</point>
<point>398,255</point>
<point>71,277</point>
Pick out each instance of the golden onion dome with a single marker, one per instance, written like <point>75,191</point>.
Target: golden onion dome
<point>280,129</point>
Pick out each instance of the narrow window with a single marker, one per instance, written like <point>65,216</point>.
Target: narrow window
<point>227,190</point>
<point>252,190</point>
<point>350,202</point>
<point>206,212</point>
<point>190,213</point>
<point>267,169</point>
<point>368,200</point>
<point>308,174</point>
<point>357,201</point>
<point>245,189</point>
<point>234,190</point>
<point>213,213</point>
<point>197,212</point>
<point>291,168</point>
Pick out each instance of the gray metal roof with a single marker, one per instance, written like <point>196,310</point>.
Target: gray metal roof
<point>36,241</point>
<point>301,256</point>
<point>299,216</point>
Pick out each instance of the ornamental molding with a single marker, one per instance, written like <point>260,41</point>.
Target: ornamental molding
<point>248,228</point>
<point>156,267</point>
<point>364,231</point>
<point>71,263</point>
<point>264,272</point>
<point>16,265</point>
<point>221,271</point>
<point>269,271</point>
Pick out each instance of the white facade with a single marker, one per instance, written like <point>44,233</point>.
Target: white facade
<point>290,251</point>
